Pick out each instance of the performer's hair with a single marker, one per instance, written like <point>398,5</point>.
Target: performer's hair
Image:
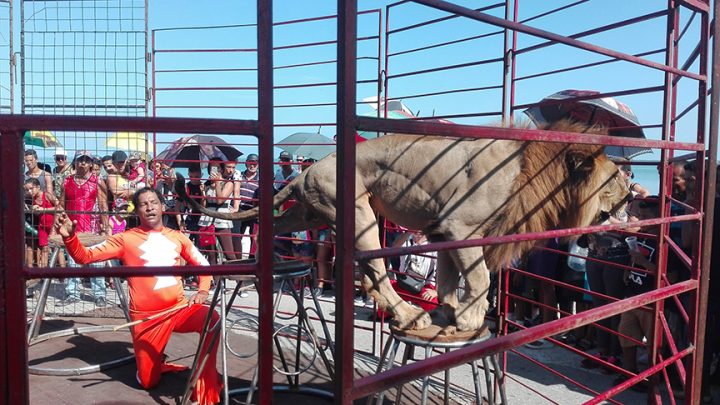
<point>136,196</point>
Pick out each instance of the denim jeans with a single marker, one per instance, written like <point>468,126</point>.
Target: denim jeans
<point>97,283</point>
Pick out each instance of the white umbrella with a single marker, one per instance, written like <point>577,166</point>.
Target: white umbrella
<point>308,145</point>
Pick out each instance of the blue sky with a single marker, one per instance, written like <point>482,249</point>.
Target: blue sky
<point>645,36</point>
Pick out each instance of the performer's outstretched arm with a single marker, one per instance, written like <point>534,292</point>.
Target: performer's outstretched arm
<point>112,248</point>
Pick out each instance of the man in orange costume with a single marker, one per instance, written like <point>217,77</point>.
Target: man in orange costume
<point>151,244</point>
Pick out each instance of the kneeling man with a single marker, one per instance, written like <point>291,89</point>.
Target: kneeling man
<point>151,244</point>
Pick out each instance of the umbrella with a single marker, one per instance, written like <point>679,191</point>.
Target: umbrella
<point>41,139</point>
<point>308,145</point>
<point>130,141</point>
<point>194,149</point>
<point>606,111</point>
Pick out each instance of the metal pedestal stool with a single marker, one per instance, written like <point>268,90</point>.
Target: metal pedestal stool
<point>284,273</point>
<point>432,338</point>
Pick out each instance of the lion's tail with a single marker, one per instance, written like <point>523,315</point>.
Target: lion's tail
<point>278,200</point>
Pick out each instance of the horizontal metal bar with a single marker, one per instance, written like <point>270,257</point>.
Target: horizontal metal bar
<point>133,271</point>
<point>129,124</point>
<point>421,127</point>
<point>495,240</point>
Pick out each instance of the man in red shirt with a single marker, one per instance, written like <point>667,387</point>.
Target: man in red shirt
<point>152,244</point>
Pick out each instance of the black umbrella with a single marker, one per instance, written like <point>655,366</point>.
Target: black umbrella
<point>193,149</point>
<point>616,116</point>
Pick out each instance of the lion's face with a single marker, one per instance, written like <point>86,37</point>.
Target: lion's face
<point>614,191</point>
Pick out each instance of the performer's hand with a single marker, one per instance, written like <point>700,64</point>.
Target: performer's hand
<point>64,226</point>
<point>198,298</point>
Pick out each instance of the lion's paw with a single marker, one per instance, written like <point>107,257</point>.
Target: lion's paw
<point>413,319</point>
<point>470,323</point>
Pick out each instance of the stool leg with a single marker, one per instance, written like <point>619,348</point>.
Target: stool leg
<point>201,358</point>
<point>253,384</point>
<point>304,319</point>
<point>223,331</point>
<point>42,301</point>
<point>426,380</point>
<point>488,381</point>
<point>446,391</point>
<point>409,350</point>
<point>393,345</point>
<point>476,382</point>
<point>500,378</point>
<point>121,297</point>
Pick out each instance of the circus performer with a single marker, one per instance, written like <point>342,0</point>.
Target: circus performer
<point>160,298</point>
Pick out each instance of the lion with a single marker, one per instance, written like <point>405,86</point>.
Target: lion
<point>454,189</point>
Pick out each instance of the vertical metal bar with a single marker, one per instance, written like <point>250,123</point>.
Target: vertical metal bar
<point>147,101</point>
<point>695,372</point>
<point>12,297</point>
<point>668,126</point>
<point>265,237</point>
<point>13,61</point>
<point>22,57</point>
<point>508,63</point>
<point>345,217</point>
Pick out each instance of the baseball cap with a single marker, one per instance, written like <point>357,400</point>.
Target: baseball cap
<point>285,155</point>
<point>60,152</point>
<point>119,156</point>
<point>252,158</point>
<point>82,153</point>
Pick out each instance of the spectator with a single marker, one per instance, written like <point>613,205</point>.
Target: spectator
<point>416,280</point>
<point>41,202</point>
<point>286,173</point>
<point>246,182</point>
<point>36,172</point>
<point>118,182</point>
<point>61,171</point>
<point>545,264</point>
<point>636,188</point>
<point>164,181</point>
<point>637,323</point>
<point>80,194</point>
<point>196,190</point>
<point>218,196</point>
<point>136,171</point>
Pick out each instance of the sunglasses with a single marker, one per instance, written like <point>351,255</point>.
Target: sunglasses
<point>60,158</point>
<point>284,159</point>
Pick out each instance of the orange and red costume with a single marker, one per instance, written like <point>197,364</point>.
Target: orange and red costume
<point>151,295</point>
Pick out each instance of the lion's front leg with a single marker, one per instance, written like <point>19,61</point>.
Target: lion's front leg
<point>447,284</point>
<point>470,313</point>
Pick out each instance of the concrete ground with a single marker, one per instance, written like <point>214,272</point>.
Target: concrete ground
<point>526,382</point>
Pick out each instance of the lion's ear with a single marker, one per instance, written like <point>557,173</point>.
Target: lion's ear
<point>579,162</point>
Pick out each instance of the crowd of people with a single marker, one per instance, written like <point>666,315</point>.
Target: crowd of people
<point>617,265</point>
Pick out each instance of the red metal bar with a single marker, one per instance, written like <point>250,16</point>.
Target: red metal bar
<point>265,242</point>
<point>12,285</point>
<point>433,365</point>
<point>695,372</point>
<point>486,18</point>
<point>345,242</point>
<point>419,127</point>
<point>558,233</point>
<point>129,124</point>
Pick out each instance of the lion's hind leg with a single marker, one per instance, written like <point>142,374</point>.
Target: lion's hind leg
<point>375,278</point>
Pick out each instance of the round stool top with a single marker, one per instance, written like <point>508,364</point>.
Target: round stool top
<point>86,238</point>
<point>446,336</point>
